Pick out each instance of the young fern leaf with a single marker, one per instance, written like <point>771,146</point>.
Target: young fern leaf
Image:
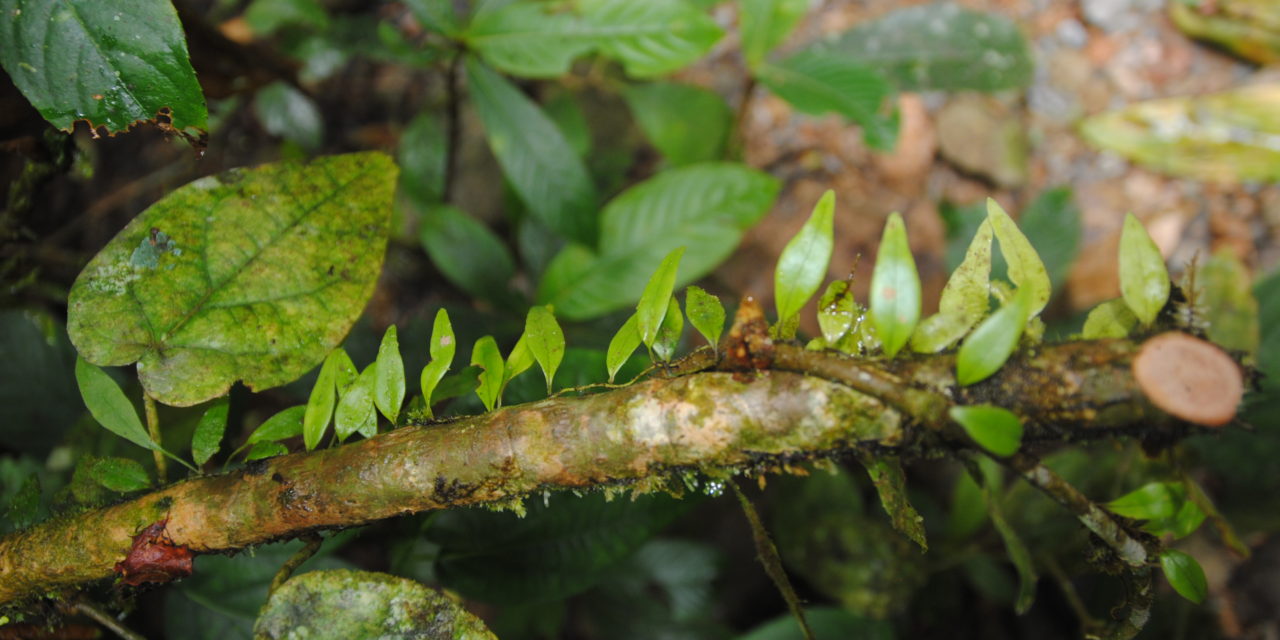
<point>895,288</point>
<point>546,341</point>
<point>964,300</point>
<point>485,354</point>
<point>706,314</point>
<point>652,308</point>
<point>623,344</point>
<point>388,386</point>
<point>1144,280</point>
<point>669,333</point>
<point>443,348</point>
<point>1026,270</point>
<point>355,412</point>
<point>803,264</point>
<point>991,344</point>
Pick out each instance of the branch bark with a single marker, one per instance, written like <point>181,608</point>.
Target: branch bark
<point>810,404</point>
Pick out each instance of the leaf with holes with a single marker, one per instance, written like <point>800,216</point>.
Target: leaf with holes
<point>252,275</point>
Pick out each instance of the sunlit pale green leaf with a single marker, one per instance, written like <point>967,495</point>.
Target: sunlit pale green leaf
<point>1152,501</point>
<point>388,387</point>
<point>109,406</point>
<point>836,311</point>
<point>623,344</point>
<point>252,274</point>
<point>262,450</point>
<point>997,430</point>
<point>443,348</point>
<point>485,354</point>
<point>964,301</point>
<point>1111,319</point>
<point>208,434</point>
<point>706,314</point>
<point>1144,280</point>
<point>355,412</point>
<point>652,308</point>
<point>546,341</point>
<point>803,263</point>
<point>993,341</point>
<point>285,424</point>
<point>1026,270</point>
<point>1184,575</point>
<point>687,124</point>
<point>765,24</point>
<point>668,338</point>
<point>519,360</point>
<point>109,63</point>
<point>895,288</point>
<point>121,475</point>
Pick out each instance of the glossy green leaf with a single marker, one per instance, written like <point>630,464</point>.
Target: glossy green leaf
<point>765,24</point>
<point>651,311</point>
<point>895,288</point>
<point>467,252</point>
<point>110,63</point>
<point>1227,302</point>
<point>997,430</point>
<point>252,274</point>
<point>1221,137</point>
<point>519,360</point>
<point>288,113</point>
<point>1111,319</point>
<point>121,475</point>
<point>965,298</point>
<point>363,605</point>
<point>1152,501</point>
<point>286,423</point>
<point>940,46</point>
<point>1184,575</point>
<point>1026,270</point>
<point>706,314</point>
<point>686,124</point>
<point>262,450</point>
<point>668,338</point>
<point>109,406</point>
<point>422,154</point>
<point>208,434</point>
<point>356,412</point>
<point>622,345</point>
<point>707,206</point>
<point>1144,280</point>
<point>534,155</point>
<point>541,40</point>
<point>546,341</point>
<point>344,370</point>
<point>485,354</point>
<point>993,341</point>
<point>388,386</point>
<point>803,263</point>
<point>443,348</point>
<point>817,83</point>
<point>836,311</point>
<point>320,402</point>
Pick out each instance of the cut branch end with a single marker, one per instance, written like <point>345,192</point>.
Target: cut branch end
<point>1189,378</point>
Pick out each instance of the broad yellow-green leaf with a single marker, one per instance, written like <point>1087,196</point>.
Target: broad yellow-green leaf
<point>251,274</point>
<point>804,261</point>
<point>320,403</point>
<point>1184,575</point>
<point>121,475</point>
<point>964,299</point>
<point>1111,319</point>
<point>652,308</point>
<point>1249,28</point>
<point>388,386</point>
<point>1144,280</point>
<point>485,354</point>
<point>836,311</point>
<point>443,347</point>
<point>706,314</point>
<point>546,341</point>
<point>765,24</point>
<point>668,338</point>
<point>208,434</point>
<point>1026,270</point>
<point>998,430</point>
<point>991,344</point>
<point>109,406</point>
<point>895,288</point>
<point>356,412</point>
<point>623,344</point>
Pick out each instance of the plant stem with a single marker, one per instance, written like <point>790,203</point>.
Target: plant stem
<point>295,561</point>
<point>102,618</point>
<point>768,554</point>
<point>153,429</point>
<point>453,124</point>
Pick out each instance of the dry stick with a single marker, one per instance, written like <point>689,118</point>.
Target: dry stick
<point>104,619</point>
<point>768,554</point>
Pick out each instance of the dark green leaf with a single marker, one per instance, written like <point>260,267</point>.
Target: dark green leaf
<point>422,155</point>
<point>1144,280</point>
<point>991,344</point>
<point>121,475</point>
<point>265,450</point>
<point>686,124</point>
<point>564,110</point>
<point>1026,270</point>
<point>707,206</point>
<point>485,354</point>
<point>290,114</point>
<point>252,275</point>
<point>1111,319</point>
<point>622,345</point>
<point>39,398</point>
<point>706,314</point>
<point>803,263</point>
<point>320,402</point>
<point>668,338</point>
<point>109,406</point>
<point>443,348</point>
<point>1185,575</point>
<point>895,288</point>
<point>466,380</point>
<point>285,424</point>
<point>818,83</point>
<point>388,386</point>
<point>890,482</point>
<point>208,434</point>
<point>940,46</point>
<point>24,504</point>
<point>467,252</point>
<point>110,63</point>
<point>534,155</point>
<point>266,17</point>
<point>997,430</point>
<point>436,15</point>
<point>651,311</point>
<point>765,24</point>
<point>362,605</point>
<point>546,341</point>
<point>356,412</point>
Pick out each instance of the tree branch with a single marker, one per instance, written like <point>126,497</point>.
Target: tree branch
<point>717,423</point>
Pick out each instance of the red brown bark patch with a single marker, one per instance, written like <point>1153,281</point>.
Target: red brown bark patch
<point>748,346</point>
<point>154,558</point>
<point>1189,378</point>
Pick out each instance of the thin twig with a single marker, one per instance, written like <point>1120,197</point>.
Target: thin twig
<point>286,570</point>
<point>768,554</point>
<point>102,618</point>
